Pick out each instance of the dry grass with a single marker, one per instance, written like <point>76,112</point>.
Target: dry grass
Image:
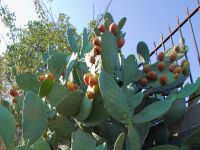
<point>2,146</point>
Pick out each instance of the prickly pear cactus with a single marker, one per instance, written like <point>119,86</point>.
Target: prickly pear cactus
<point>94,98</point>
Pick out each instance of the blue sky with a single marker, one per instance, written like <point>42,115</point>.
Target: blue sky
<point>145,19</point>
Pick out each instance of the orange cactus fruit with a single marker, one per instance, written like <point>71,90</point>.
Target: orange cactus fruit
<point>90,94</point>
<point>144,82</point>
<point>178,70</point>
<point>14,100</point>
<point>176,49</point>
<point>50,76</point>
<point>172,67</point>
<point>161,66</point>
<point>163,80</point>
<point>42,78</point>
<point>71,86</point>
<point>176,75</point>
<point>161,56</point>
<point>146,68</point>
<point>152,75</point>
<point>173,56</point>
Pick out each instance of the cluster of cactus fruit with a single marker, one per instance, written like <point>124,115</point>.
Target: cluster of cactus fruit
<point>108,103</point>
<point>161,65</point>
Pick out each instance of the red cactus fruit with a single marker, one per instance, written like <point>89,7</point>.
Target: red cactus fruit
<point>113,28</point>
<point>101,28</point>
<point>92,60</point>
<point>90,94</point>
<point>86,78</point>
<point>96,42</point>
<point>120,43</point>
<point>13,92</point>
<point>93,80</point>
<point>97,50</point>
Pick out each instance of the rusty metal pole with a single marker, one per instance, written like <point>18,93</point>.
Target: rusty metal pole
<point>172,41</point>
<point>163,45</point>
<point>191,79</point>
<point>154,43</point>
<point>193,36</point>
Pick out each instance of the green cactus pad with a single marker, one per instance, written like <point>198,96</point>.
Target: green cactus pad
<point>40,144</point>
<point>86,44</point>
<point>82,140</point>
<point>72,41</point>
<point>133,141</point>
<point>70,65</point>
<point>70,103</point>
<point>7,127</point>
<point>121,23</point>
<point>45,87</point>
<point>143,52</point>
<point>34,118</point>
<point>114,99</point>
<point>62,126</point>
<point>109,52</point>
<point>119,142</point>
<point>130,69</point>
<point>56,65</point>
<point>28,82</point>
<point>57,93</point>
<point>85,109</point>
